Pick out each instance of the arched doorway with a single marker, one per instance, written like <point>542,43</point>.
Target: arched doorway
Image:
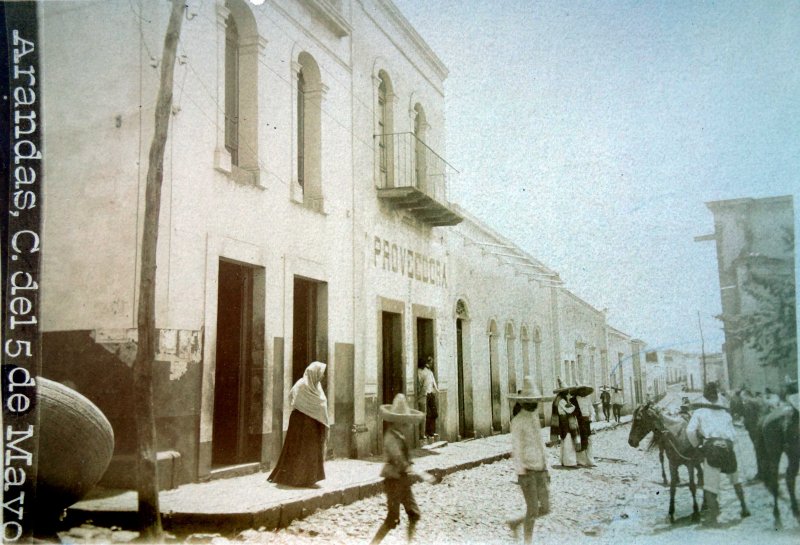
<point>466,426</point>
<point>494,368</point>
<point>511,358</point>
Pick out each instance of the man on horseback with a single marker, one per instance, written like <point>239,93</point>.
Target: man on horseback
<point>711,424</point>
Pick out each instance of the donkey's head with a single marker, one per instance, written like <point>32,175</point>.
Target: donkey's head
<point>643,422</point>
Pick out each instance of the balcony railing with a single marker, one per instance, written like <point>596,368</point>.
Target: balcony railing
<point>414,177</point>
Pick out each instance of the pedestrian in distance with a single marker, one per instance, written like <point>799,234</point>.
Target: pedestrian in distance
<point>584,412</point>
<point>530,460</point>
<point>398,472</point>
<point>712,426</point>
<point>427,392</point>
<point>617,401</point>
<point>605,399</point>
<point>301,462</point>
<point>564,426</point>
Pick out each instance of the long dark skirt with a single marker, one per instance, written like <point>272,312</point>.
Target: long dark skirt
<point>302,455</point>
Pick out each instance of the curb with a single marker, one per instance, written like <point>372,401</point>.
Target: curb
<point>273,516</point>
<point>270,517</point>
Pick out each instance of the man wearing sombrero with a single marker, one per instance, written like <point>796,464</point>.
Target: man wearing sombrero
<point>564,426</point>
<point>397,472</point>
<point>711,424</point>
<point>528,455</point>
<point>585,413</point>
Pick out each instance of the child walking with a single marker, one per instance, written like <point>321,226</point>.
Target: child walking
<point>397,472</point>
<point>528,455</point>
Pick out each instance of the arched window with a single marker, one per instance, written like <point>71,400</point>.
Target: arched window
<point>301,123</point>
<point>308,130</point>
<point>232,89</point>
<point>420,128</point>
<point>384,130</point>
<point>242,49</point>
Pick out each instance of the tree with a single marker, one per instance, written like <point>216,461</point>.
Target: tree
<point>149,512</point>
<point>770,328</point>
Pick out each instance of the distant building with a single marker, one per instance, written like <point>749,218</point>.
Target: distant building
<point>685,370</point>
<point>656,374</point>
<point>755,248</point>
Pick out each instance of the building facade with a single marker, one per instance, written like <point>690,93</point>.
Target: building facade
<point>304,216</point>
<point>755,259</point>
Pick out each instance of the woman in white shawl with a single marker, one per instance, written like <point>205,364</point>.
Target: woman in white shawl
<point>303,453</point>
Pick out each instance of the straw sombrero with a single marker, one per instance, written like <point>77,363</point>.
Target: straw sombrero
<point>581,390</point>
<point>529,393</point>
<point>399,411</point>
<point>560,387</point>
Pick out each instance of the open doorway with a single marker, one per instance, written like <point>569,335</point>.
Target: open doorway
<point>465,421</point>
<point>310,324</point>
<point>392,355</point>
<point>494,368</point>
<point>425,341</point>
<point>238,380</point>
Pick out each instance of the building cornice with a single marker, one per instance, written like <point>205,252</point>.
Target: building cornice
<point>399,20</point>
<point>748,201</point>
<point>330,15</point>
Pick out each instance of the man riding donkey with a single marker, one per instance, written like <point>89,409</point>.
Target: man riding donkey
<point>711,424</point>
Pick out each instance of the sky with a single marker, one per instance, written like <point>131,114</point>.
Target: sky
<point>592,133</point>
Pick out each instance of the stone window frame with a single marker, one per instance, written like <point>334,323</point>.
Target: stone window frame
<point>243,166</point>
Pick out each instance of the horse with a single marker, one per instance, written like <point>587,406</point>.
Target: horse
<point>672,435</point>
<point>779,435</point>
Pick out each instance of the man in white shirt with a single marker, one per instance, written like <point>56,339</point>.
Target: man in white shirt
<point>528,455</point>
<point>426,393</point>
<point>711,424</point>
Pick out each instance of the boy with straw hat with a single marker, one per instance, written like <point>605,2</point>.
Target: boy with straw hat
<point>397,472</point>
<point>528,455</point>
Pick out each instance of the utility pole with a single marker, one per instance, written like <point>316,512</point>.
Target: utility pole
<point>702,350</point>
<point>147,481</point>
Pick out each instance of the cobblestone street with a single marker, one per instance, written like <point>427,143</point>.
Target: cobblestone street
<point>620,500</point>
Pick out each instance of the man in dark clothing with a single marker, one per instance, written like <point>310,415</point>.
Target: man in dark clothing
<point>605,399</point>
<point>397,473</point>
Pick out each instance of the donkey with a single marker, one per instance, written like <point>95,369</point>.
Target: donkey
<point>672,432</point>
<point>780,434</point>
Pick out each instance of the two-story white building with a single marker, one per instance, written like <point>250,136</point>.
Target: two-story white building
<point>304,216</point>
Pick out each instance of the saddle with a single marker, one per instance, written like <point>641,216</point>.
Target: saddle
<point>719,453</point>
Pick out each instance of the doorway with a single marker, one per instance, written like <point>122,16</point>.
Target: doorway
<point>237,388</point>
<point>309,328</point>
<point>425,341</point>
<point>494,367</point>
<point>392,356</point>
<point>465,422</point>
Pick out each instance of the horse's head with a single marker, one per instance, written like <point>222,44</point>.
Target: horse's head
<point>643,422</point>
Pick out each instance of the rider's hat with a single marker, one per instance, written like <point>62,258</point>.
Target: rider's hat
<point>529,393</point>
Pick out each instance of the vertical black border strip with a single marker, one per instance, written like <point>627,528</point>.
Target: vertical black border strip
<point>21,135</point>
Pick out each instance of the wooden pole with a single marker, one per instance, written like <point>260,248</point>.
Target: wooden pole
<point>149,513</point>
<point>702,349</point>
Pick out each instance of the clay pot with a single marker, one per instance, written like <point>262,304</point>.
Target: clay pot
<point>76,443</point>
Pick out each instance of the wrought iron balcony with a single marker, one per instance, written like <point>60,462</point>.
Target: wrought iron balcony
<point>414,178</point>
